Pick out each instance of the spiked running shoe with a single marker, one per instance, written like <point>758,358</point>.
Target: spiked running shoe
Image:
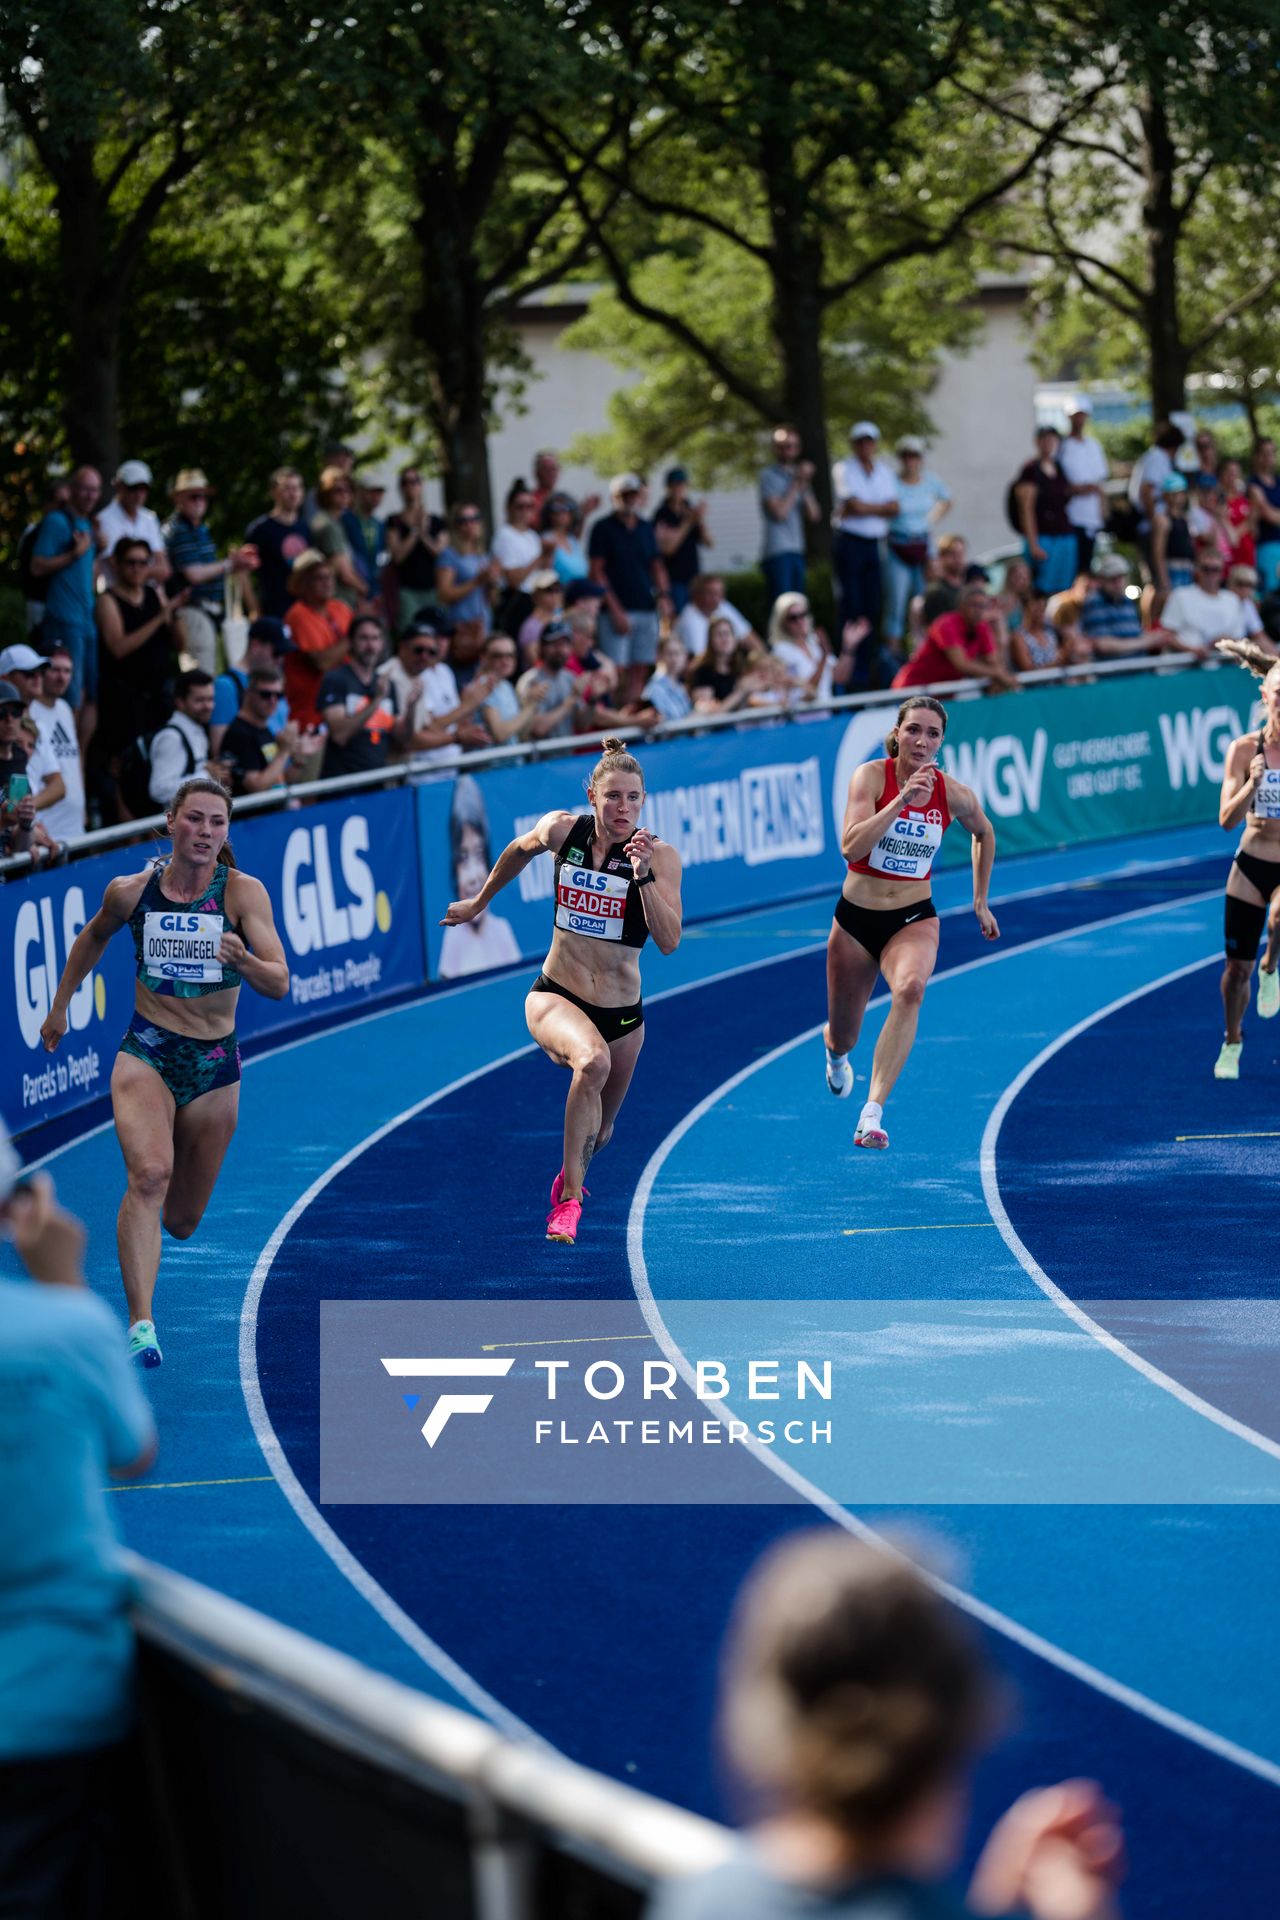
<point>1268,993</point>
<point>869,1136</point>
<point>557,1190</point>
<point>1227,1066</point>
<point>839,1075</point>
<point>562,1221</point>
<point>144,1348</point>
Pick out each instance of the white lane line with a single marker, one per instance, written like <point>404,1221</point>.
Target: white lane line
<point>1022,1636</point>
<point>1031,1266</point>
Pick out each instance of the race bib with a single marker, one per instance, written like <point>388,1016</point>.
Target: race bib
<point>183,946</point>
<point>907,847</point>
<point>591,902</point>
<point>1266,800</point>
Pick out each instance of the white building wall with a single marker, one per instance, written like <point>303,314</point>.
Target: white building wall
<point>983,404</point>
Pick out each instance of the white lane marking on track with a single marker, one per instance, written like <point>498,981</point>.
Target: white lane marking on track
<point>1057,1656</point>
<point>427,1649</point>
<point>1031,1266</point>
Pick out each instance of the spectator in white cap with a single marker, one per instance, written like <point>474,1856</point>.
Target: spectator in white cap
<point>1087,468</point>
<point>1110,620</point>
<point>865,489</point>
<point>53,764</point>
<point>625,561</point>
<point>129,517</point>
<point>922,502</point>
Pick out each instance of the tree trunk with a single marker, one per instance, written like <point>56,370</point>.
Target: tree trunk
<point>797,328</point>
<point>449,324</point>
<point>1167,355</point>
<point>94,296</point>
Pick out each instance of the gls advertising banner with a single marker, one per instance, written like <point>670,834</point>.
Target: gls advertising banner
<point>755,817</point>
<point>344,891</point>
<point>746,812</point>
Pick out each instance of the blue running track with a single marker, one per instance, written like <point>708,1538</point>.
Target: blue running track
<point>1060,1296</point>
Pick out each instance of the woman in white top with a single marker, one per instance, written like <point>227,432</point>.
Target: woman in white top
<point>803,650</point>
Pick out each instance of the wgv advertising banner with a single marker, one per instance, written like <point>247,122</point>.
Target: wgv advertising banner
<point>343,882</point>
<point>747,813</point>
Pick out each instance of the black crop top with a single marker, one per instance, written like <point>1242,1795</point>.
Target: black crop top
<point>602,903</point>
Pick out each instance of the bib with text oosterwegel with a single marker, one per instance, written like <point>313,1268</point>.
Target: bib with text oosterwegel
<point>907,846</point>
<point>591,902</point>
<point>183,946</point>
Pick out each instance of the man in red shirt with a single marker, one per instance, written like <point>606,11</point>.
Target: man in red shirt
<point>958,646</point>
<point>318,625</point>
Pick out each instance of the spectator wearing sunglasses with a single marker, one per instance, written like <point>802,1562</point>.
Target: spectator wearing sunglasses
<point>255,755</point>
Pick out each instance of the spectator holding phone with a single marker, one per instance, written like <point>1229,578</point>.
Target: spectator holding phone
<point>17,801</point>
<point>71,1413</point>
<point>855,1701</point>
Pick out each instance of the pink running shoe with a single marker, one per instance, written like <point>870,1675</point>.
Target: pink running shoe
<point>871,1137</point>
<point>562,1221</point>
<point>557,1190</point>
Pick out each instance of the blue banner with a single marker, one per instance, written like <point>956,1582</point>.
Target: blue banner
<point>749,814</point>
<point>343,883</point>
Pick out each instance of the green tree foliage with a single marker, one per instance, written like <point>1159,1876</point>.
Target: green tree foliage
<point>114,104</point>
<point>826,143</point>
<point>1156,213</point>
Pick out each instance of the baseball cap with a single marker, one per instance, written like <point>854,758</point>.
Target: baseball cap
<point>579,590</point>
<point>274,632</point>
<point>22,659</point>
<point>910,443</point>
<point>1078,403</point>
<point>864,430</point>
<point>557,630</point>
<point>9,695</point>
<point>1112,566</point>
<point>545,581</point>
<point>625,483</point>
<point>675,477</point>
<point>1175,483</point>
<point>1242,576</point>
<point>426,626</point>
<point>134,473</point>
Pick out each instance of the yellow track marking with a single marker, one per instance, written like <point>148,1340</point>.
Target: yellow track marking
<point>172,1486</point>
<point>494,1346</point>
<point>946,1226</point>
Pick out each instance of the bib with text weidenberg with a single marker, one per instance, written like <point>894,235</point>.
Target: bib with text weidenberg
<point>183,946</point>
<point>908,844</point>
<point>591,902</point>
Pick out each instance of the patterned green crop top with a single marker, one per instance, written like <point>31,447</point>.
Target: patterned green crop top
<point>177,941</point>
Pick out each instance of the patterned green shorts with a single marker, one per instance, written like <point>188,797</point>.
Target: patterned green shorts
<point>187,1067</point>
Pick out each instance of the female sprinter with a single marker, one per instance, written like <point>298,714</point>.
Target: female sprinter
<point>200,927</point>
<point>897,812</point>
<point>614,886</point>
<point>1251,792</point>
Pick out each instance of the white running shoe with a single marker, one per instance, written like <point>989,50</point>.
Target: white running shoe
<point>869,1132</point>
<point>1227,1066</point>
<point>1268,993</point>
<point>839,1074</point>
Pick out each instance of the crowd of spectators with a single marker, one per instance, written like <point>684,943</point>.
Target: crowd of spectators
<point>335,638</point>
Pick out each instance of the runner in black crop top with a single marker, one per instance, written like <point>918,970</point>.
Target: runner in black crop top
<point>614,886</point>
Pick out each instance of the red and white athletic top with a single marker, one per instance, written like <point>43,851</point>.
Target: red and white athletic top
<point>906,848</point>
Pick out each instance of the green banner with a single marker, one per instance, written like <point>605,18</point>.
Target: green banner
<point>1057,765</point>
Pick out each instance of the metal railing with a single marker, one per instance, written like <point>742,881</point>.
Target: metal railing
<point>504,1802</point>
<point>414,771</point>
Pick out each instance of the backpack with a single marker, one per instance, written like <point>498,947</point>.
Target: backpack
<point>134,781</point>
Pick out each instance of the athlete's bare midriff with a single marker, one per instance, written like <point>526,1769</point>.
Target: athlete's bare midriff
<point>603,972</point>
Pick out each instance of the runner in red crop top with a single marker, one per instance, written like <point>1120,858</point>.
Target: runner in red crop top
<point>885,920</point>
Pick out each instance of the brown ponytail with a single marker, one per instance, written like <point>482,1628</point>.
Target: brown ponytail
<point>614,759</point>
<point>205,783</point>
<point>913,700</point>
